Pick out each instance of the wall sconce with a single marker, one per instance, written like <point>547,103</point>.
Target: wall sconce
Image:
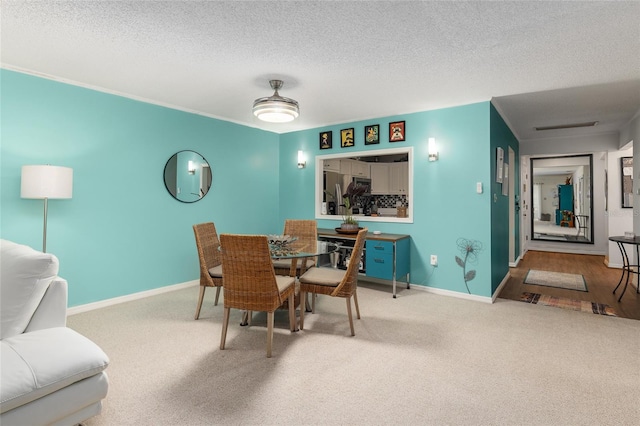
<point>191,168</point>
<point>301,161</point>
<point>433,150</point>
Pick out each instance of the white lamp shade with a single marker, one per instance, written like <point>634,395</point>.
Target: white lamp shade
<point>46,182</point>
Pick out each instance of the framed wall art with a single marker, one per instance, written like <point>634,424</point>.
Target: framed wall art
<point>325,140</point>
<point>346,137</point>
<point>499,164</point>
<point>372,134</point>
<point>626,167</point>
<point>396,131</point>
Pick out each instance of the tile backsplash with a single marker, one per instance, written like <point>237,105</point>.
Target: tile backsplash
<point>388,201</point>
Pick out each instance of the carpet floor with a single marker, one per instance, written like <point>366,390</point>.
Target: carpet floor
<point>420,359</point>
<point>556,279</point>
<point>572,304</point>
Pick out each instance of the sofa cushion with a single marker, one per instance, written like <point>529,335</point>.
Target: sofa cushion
<point>41,362</point>
<point>25,274</point>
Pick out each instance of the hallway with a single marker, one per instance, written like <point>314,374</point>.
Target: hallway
<point>600,280</point>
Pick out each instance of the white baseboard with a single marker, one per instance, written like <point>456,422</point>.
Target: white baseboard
<point>402,286</point>
<point>129,297</point>
<point>515,264</point>
<point>451,293</point>
<point>499,289</point>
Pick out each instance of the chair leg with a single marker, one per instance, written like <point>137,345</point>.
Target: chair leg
<point>225,324</point>
<point>355,299</point>
<point>303,303</point>
<point>353,333</point>
<point>292,312</point>
<point>270,317</point>
<point>313,302</point>
<point>217,295</point>
<point>200,299</point>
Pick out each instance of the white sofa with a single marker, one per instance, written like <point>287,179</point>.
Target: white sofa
<point>49,374</point>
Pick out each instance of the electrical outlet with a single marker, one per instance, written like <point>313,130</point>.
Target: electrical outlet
<point>434,260</point>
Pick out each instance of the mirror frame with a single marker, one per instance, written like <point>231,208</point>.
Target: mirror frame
<point>167,185</point>
<point>372,153</point>
<point>624,163</point>
<point>590,221</point>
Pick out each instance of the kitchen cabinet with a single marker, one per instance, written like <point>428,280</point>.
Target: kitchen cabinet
<point>354,168</point>
<point>345,167</point>
<point>379,178</point>
<point>360,169</point>
<point>331,165</point>
<point>386,256</point>
<point>399,178</point>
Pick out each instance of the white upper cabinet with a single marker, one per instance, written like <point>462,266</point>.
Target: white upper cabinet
<point>331,165</point>
<point>399,178</point>
<point>379,178</point>
<point>360,168</point>
<point>345,167</point>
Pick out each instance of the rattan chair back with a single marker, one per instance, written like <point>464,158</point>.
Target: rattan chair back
<point>306,232</point>
<point>209,256</point>
<point>349,283</point>
<point>250,283</point>
<point>249,280</point>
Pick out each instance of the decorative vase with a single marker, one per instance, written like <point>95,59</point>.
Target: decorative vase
<point>349,227</point>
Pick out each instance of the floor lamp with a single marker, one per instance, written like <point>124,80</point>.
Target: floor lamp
<point>45,182</point>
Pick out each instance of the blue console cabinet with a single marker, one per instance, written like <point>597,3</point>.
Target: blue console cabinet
<point>386,255</point>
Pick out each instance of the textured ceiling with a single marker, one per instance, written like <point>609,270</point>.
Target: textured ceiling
<point>543,63</point>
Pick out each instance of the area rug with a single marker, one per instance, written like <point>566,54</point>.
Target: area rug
<point>561,302</point>
<point>556,279</point>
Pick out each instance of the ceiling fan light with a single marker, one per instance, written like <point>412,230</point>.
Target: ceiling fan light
<point>276,109</point>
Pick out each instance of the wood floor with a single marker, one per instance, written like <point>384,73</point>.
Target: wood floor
<point>600,280</point>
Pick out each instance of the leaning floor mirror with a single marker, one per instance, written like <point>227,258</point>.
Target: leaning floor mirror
<point>562,198</point>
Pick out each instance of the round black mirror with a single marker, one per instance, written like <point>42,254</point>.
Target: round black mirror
<point>187,176</point>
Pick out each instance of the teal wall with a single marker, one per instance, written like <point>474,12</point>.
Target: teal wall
<point>501,136</point>
<point>122,232</point>
<point>446,205</point>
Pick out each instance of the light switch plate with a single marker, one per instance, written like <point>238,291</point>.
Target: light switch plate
<point>479,187</point>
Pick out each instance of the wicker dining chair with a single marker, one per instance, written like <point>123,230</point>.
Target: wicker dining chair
<point>209,255</point>
<point>335,282</point>
<point>306,230</point>
<point>250,282</point>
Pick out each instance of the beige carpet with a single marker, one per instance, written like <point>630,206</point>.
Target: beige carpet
<point>418,359</point>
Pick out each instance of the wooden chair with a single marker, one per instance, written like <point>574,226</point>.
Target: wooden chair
<point>307,233</point>
<point>210,258</point>
<point>250,282</point>
<point>335,282</point>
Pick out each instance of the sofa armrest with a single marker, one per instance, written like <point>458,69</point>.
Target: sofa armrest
<point>52,310</point>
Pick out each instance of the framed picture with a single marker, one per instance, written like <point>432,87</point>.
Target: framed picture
<point>346,137</point>
<point>626,166</point>
<point>396,131</point>
<point>372,134</point>
<point>499,164</point>
<point>325,140</point>
<point>505,180</point>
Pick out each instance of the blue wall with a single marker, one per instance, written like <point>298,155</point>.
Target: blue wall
<point>122,232</point>
<point>446,205</point>
<point>501,136</point>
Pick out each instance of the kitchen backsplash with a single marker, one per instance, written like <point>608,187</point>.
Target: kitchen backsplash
<point>388,201</point>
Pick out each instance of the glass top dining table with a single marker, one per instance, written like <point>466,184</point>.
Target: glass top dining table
<point>297,250</point>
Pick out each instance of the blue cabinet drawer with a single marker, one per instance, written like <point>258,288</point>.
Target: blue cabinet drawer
<point>380,247</point>
<point>379,259</point>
